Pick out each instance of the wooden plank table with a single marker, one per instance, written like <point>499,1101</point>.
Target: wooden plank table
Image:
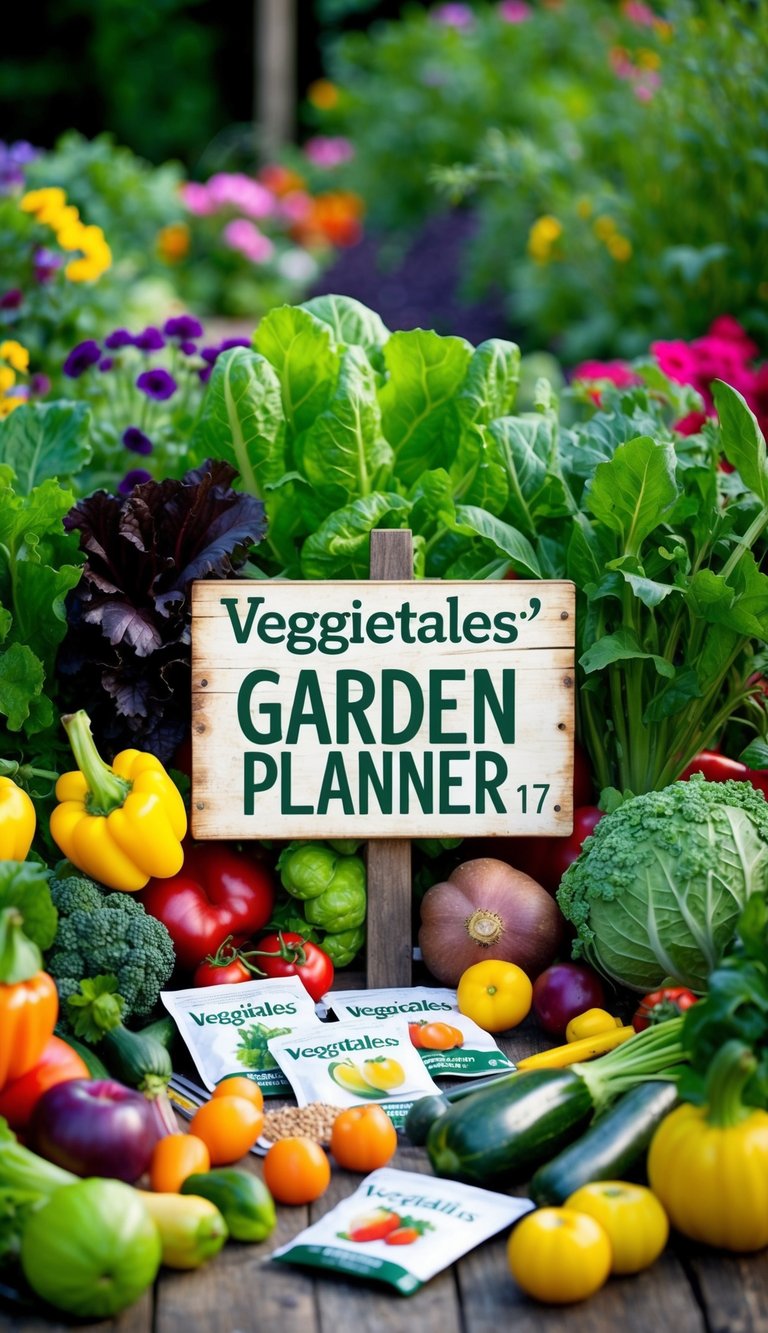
<point>689,1290</point>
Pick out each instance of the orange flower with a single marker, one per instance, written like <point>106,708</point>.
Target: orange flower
<point>323,94</point>
<point>336,218</point>
<point>281,180</point>
<point>173,242</point>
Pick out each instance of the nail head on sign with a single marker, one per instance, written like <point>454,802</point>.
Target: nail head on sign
<point>563,615</point>
<point>558,808</point>
<point>203,683</point>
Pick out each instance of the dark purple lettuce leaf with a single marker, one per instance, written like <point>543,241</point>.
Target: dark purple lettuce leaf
<point>125,657</point>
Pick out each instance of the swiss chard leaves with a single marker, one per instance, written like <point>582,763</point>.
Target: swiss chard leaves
<point>40,441</point>
<point>241,420</point>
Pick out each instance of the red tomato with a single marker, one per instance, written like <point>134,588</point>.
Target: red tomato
<point>286,954</point>
<point>661,1005</point>
<point>57,1064</point>
<point>225,967</point>
<point>218,894</point>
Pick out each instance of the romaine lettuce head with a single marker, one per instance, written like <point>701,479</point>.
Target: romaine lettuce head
<point>660,884</point>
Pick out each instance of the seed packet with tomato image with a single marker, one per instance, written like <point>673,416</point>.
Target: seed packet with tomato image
<point>450,1044</point>
<point>349,1064</point>
<point>401,1228</point>
<point>228,1028</point>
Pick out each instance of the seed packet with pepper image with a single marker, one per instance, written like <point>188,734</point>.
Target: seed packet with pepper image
<point>228,1028</point>
<point>401,1228</point>
<point>450,1044</point>
<point>349,1064</point>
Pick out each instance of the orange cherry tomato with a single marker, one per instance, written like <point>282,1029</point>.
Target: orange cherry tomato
<point>229,1127</point>
<point>296,1170</point>
<point>440,1037</point>
<point>363,1138</point>
<point>238,1085</point>
<point>174,1158</point>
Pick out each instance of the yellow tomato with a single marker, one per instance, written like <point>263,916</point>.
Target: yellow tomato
<point>495,995</point>
<point>590,1023</point>
<point>559,1256</point>
<point>383,1074</point>
<point>632,1218</point>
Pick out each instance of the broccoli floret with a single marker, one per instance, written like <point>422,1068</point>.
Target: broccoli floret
<point>101,932</point>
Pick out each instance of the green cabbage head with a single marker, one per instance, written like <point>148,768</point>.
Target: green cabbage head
<point>660,884</point>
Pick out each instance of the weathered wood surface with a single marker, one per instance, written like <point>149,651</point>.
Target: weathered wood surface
<point>689,1290</point>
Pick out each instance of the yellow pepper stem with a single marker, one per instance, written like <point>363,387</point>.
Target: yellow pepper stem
<point>106,791</point>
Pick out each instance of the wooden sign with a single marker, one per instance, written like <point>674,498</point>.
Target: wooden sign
<point>382,709</point>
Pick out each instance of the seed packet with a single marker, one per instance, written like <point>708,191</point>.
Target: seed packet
<point>450,1044</point>
<point>228,1028</point>
<point>401,1228</point>
<point>346,1064</point>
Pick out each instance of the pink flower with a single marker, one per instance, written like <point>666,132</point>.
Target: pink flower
<point>717,358</point>
<point>514,11</point>
<point>637,12</point>
<point>646,85</point>
<point>324,150</point>
<point>729,329</point>
<point>453,16</point>
<point>241,234</point>
<point>197,199</point>
<point>676,360</point>
<point>296,206</point>
<point>615,372</point>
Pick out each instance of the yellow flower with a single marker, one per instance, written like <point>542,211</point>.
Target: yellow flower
<point>545,231</point>
<point>8,405</point>
<point>173,242</point>
<point>16,355</point>
<point>619,248</point>
<point>49,201</point>
<point>663,29</point>
<point>323,94</point>
<point>7,379</point>
<point>604,227</point>
<point>648,59</point>
<point>584,208</point>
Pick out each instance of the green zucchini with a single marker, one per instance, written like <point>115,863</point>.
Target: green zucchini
<point>137,1058</point>
<point>616,1141</point>
<point>503,1133</point>
<point>427,1110</point>
<point>243,1200</point>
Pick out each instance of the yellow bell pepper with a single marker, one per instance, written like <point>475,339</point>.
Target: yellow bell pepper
<point>17,821</point>
<point>122,824</point>
<point>589,1023</point>
<point>708,1165</point>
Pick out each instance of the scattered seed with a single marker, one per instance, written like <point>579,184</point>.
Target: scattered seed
<point>315,1121</point>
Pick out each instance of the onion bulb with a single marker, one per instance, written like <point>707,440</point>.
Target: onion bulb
<point>488,909</point>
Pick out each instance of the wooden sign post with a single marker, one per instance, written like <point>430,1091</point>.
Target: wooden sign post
<point>387,711</point>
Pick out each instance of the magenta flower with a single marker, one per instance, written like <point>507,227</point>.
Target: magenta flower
<point>325,150</point>
<point>197,199</point>
<point>728,328</point>
<point>242,235</point>
<point>296,206</point>
<point>692,423</point>
<point>157,384</point>
<point>615,372</point>
<point>638,13</point>
<point>11,300</point>
<point>514,11</point>
<point>676,360</point>
<point>453,16</point>
<point>81,358</point>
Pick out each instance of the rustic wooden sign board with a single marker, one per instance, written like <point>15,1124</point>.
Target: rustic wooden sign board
<point>384,710</point>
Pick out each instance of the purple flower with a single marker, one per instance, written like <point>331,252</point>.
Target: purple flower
<point>453,15</point>
<point>11,300</point>
<point>135,440</point>
<point>46,264</point>
<point>106,363</point>
<point>234,342</point>
<point>136,477</point>
<point>187,348</point>
<point>13,158</point>
<point>183,326</point>
<point>81,358</point>
<point>157,384</point>
<point>205,374</point>
<point>151,340</point>
<point>117,339</point>
<point>209,354</point>
<point>39,385</point>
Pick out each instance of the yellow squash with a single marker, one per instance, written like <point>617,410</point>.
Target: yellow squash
<point>559,1057</point>
<point>121,824</point>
